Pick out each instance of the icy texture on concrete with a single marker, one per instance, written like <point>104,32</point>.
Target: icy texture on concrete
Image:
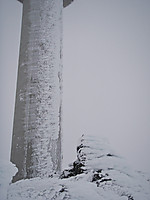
<point>36,141</point>
<point>65,2</point>
<point>105,176</point>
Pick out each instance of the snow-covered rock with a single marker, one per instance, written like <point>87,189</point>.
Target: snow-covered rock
<point>97,174</point>
<point>99,164</point>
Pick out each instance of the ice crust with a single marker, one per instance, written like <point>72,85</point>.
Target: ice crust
<point>36,141</point>
<point>7,171</point>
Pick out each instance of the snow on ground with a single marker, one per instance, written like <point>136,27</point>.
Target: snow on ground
<point>7,170</point>
<point>54,188</point>
<point>104,176</point>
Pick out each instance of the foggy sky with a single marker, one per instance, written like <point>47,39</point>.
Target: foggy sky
<point>106,87</point>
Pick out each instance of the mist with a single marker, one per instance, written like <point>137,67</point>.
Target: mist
<point>106,84</point>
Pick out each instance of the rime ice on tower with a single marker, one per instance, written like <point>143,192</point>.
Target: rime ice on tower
<point>36,140</point>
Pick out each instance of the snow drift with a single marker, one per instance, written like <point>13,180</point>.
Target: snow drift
<point>98,173</point>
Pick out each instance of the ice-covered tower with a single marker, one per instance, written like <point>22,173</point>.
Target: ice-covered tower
<point>37,131</point>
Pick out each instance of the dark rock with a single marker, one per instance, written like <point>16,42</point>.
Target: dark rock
<point>76,169</point>
<point>109,154</point>
<point>79,147</point>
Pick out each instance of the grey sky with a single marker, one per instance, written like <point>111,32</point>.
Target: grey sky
<point>106,75</point>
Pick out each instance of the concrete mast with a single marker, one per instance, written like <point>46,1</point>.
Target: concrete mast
<point>37,131</point>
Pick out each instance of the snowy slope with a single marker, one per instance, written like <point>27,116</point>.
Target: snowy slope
<point>97,174</point>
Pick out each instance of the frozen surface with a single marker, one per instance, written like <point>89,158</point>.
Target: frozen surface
<point>7,170</point>
<point>105,176</point>
<point>36,141</point>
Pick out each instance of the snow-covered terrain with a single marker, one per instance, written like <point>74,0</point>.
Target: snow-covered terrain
<point>7,170</point>
<point>97,174</point>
